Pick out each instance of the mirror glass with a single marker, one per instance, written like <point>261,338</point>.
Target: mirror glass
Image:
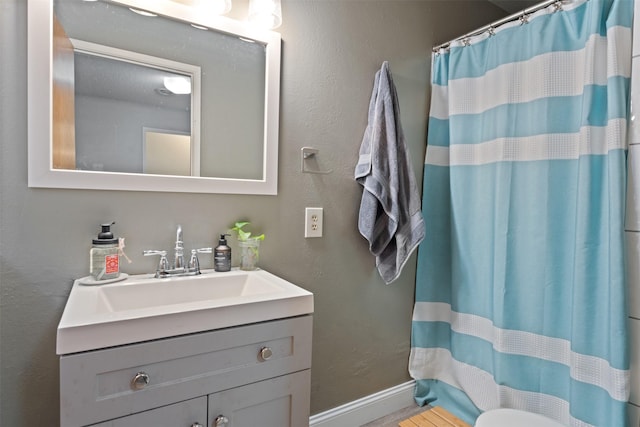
<point>132,114</point>
<point>121,123</point>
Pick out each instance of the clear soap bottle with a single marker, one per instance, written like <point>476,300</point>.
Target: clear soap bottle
<point>104,258</point>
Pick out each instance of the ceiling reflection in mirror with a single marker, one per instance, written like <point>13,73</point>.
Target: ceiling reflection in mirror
<point>120,101</point>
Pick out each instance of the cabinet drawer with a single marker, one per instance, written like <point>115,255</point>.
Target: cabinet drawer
<point>110,383</point>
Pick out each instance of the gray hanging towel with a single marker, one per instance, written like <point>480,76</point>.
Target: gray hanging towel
<point>390,212</point>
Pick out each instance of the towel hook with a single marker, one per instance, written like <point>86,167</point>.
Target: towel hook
<point>307,153</point>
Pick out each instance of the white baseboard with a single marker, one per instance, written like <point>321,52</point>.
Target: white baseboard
<point>366,409</point>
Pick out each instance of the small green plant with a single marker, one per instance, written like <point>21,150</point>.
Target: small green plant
<point>244,235</point>
<point>249,246</point>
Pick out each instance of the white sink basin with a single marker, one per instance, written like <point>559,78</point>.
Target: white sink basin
<point>185,290</point>
<point>143,308</point>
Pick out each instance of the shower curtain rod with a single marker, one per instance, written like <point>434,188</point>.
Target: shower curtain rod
<point>515,16</point>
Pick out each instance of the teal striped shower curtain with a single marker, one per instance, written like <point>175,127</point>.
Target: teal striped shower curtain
<point>520,293</point>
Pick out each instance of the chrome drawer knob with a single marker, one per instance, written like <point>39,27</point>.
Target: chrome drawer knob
<point>140,381</point>
<point>221,420</point>
<point>266,353</point>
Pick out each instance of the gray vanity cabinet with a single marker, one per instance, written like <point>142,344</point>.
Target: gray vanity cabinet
<point>246,376</point>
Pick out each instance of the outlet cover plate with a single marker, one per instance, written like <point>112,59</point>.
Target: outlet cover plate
<point>313,222</point>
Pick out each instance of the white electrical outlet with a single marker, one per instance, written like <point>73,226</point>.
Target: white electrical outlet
<point>313,222</point>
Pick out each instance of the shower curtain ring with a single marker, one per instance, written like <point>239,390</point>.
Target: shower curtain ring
<point>557,6</point>
<point>524,19</point>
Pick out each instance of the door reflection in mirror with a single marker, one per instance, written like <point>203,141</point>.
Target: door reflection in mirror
<point>115,100</point>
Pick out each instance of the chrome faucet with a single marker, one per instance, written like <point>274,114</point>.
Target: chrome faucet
<point>178,259</point>
<point>179,268</point>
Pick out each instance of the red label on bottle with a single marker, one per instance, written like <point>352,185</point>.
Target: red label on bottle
<point>111,264</point>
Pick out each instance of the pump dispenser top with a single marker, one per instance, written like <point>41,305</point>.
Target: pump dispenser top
<point>105,237</point>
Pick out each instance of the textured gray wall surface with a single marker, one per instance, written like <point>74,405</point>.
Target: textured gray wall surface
<point>331,51</point>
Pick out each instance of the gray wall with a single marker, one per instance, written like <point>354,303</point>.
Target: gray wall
<point>331,50</point>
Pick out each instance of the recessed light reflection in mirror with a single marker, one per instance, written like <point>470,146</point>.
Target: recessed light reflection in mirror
<point>178,85</point>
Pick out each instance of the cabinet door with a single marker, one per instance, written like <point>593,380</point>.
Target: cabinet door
<point>278,402</point>
<point>190,413</point>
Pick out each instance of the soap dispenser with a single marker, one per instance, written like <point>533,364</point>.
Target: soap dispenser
<point>222,255</point>
<point>104,260</point>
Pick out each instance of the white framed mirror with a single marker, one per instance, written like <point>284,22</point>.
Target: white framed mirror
<point>215,166</point>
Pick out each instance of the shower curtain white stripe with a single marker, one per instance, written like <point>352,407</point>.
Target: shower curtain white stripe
<point>591,140</point>
<point>438,363</point>
<point>547,75</point>
<point>592,370</point>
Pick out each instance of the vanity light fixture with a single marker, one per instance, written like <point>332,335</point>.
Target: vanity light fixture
<point>265,14</point>
<point>217,7</point>
<point>178,85</point>
<point>213,7</point>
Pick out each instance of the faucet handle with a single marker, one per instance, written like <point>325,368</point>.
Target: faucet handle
<point>194,264</point>
<point>163,265</point>
<point>151,252</point>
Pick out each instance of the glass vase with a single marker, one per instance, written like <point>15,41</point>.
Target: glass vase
<point>249,254</point>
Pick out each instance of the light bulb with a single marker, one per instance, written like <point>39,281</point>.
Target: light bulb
<point>266,14</point>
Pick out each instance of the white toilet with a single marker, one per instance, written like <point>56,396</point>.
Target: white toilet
<point>514,418</point>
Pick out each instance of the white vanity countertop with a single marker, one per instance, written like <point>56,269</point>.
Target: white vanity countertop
<point>142,308</point>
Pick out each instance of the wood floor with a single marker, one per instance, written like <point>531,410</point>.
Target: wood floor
<point>393,419</point>
<point>434,417</point>
<point>416,416</point>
